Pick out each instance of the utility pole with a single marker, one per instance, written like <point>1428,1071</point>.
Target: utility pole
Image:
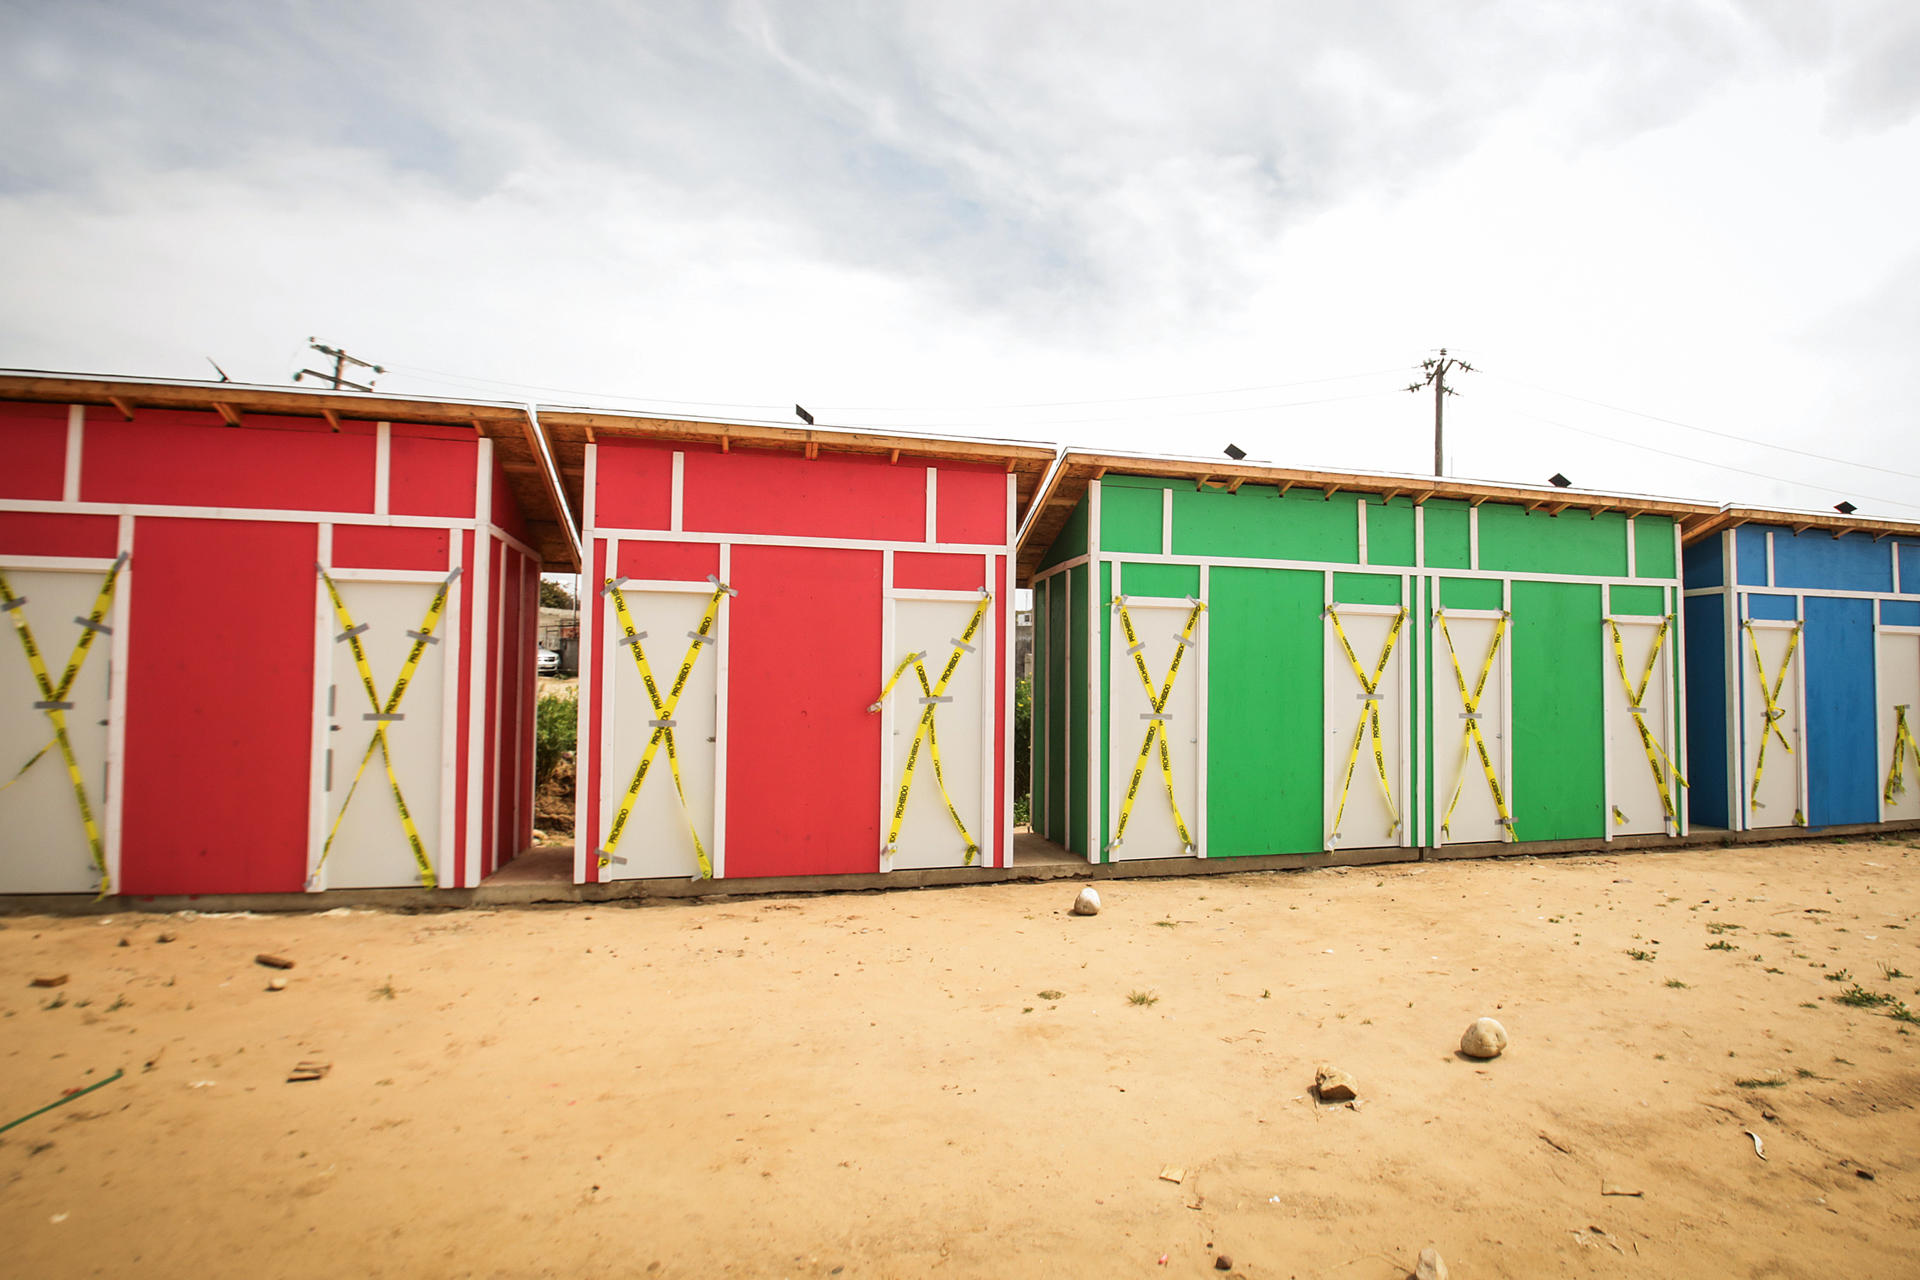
<point>1437,369</point>
<point>340,360</point>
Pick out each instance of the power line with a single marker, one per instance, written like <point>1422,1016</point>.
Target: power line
<point>1185,413</point>
<point>1724,435</point>
<point>1721,466</point>
<point>340,360</point>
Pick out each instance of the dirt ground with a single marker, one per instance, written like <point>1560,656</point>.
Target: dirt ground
<point>969,1082</point>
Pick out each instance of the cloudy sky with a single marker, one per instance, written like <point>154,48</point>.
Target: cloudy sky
<point>1680,239</point>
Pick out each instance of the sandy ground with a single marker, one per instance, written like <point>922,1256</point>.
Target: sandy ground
<point>955,1082</point>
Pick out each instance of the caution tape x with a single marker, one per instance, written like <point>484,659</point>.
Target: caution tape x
<point>933,693</point>
<point>1774,712</point>
<point>1657,758</point>
<point>1471,738</point>
<point>1156,721</point>
<point>1369,720</point>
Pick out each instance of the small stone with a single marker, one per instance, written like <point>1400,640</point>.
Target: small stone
<point>273,961</point>
<point>56,980</point>
<point>276,984</point>
<point>1484,1039</point>
<point>163,937</point>
<point>1223,1263</point>
<point>1431,1266</point>
<point>1173,1173</point>
<point>1334,1085</point>
<point>125,943</point>
<point>1088,903</point>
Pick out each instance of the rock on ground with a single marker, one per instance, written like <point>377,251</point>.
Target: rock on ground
<point>1088,903</point>
<point>1484,1039</point>
<point>1430,1266</point>
<point>1334,1085</point>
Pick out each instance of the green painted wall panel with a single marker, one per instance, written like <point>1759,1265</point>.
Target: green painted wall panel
<point>1653,547</point>
<point>1364,588</point>
<point>1264,698</point>
<point>1175,580</point>
<point>1059,700</point>
<point>1389,531</point>
<point>1449,542</point>
<point>1130,519</point>
<point>1042,682</point>
<point>1077,729</point>
<point>1072,540</point>
<point>1470,593</point>
<point>1638,600</point>
<point>1261,521</point>
<point>1515,540</point>
<point>1558,730</point>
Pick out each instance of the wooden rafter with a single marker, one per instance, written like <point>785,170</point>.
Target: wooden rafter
<point>333,418</point>
<point>227,411</point>
<point>1233,485</point>
<point>893,456</point>
<point>124,405</point>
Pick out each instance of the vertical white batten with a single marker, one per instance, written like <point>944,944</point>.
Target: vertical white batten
<point>322,727</point>
<point>1360,525</point>
<point>724,647</point>
<point>1011,631</point>
<point>1895,548</point>
<point>1632,550</point>
<point>588,596</point>
<point>1770,580</point>
<point>610,784</point>
<point>447,856</point>
<point>1200,719</point>
<point>383,468</point>
<point>1677,656</point>
<point>1606,734</point>
<point>989,715</point>
<point>1805,798</point>
<point>117,653</point>
<point>889,607</point>
<point>1096,745</point>
<point>677,503</point>
<point>478,730</point>
<point>1408,689</point>
<point>76,435</point>
<point>1166,522</point>
<point>1506,708</point>
<point>520,676</point>
<point>933,504</point>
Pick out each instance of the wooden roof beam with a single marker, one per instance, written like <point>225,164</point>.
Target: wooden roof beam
<point>333,419</point>
<point>1284,486</point>
<point>1557,508</point>
<point>124,405</point>
<point>1201,483</point>
<point>1233,485</point>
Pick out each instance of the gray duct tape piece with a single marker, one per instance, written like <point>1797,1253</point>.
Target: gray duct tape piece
<point>1149,715</point>
<point>721,586</point>
<point>384,716</point>
<point>1368,697</point>
<point>1469,715</point>
<point>88,624</point>
<point>635,638</point>
<point>662,724</point>
<point>697,638</point>
<point>1136,648</point>
<point>53,706</point>
<point>424,638</point>
<point>930,701</point>
<point>351,632</point>
<point>18,602</point>
<point>615,585</point>
<point>614,859</point>
<point>1182,641</point>
<point>961,644</point>
<point>448,580</point>
<point>1639,711</point>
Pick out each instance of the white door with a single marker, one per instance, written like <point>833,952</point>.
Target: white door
<point>1151,830</point>
<point>370,847</point>
<point>1472,809</point>
<point>1366,801</point>
<point>1634,802</point>
<point>1899,686</point>
<point>1770,794</point>
<point>928,835</point>
<point>43,841</point>
<point>657,838</point>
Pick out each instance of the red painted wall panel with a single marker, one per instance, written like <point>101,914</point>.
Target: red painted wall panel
<point>182,458</point>
<point>971,505</point>
<point>25,533</point>
<point>669,561</point>
<point>803,754</point>
<point>431,474</point>
<point>931,571</point>
<point>633,486</point>
<point>832,496</point>
<point>33,450</point>
<point>506,512</point>
<point>357,546</point>
<point>219,707</point>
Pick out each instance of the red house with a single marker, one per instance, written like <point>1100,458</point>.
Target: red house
<point>795,648</point>
<point>264,640</point>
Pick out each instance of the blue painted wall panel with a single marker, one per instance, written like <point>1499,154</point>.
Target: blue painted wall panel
<point>1702,565</point>
<point>1900,613</point>
<point>1750,546</point>
<point>1706,652</point>
<point>1817,561</point>
<point>1841,756</point>
<point>1910,569</point>
<point>1778,608</point>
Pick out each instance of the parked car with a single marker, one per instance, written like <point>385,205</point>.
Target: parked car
<point>547,662</point>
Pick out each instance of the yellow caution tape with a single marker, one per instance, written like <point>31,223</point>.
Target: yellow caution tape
<point>932,693</point>
<point>384,713</point>
<point>1636,700</point>
<point>663,709</point>
<point>1156,722</point>
<point>1471,738</point>
<point>1774,713</point>
<point>1903,743</point>
<point>53,699</point>
<point>1369,719</point>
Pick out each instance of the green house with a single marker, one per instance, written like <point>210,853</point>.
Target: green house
<point>1248,661</point>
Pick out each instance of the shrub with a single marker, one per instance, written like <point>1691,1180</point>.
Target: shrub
<point>556,725</point>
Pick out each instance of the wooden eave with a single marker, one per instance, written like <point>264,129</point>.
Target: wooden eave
<point>1078,470</point>
<point>506,425</point>
<point>1800,522</point>
<point>569,431</point>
